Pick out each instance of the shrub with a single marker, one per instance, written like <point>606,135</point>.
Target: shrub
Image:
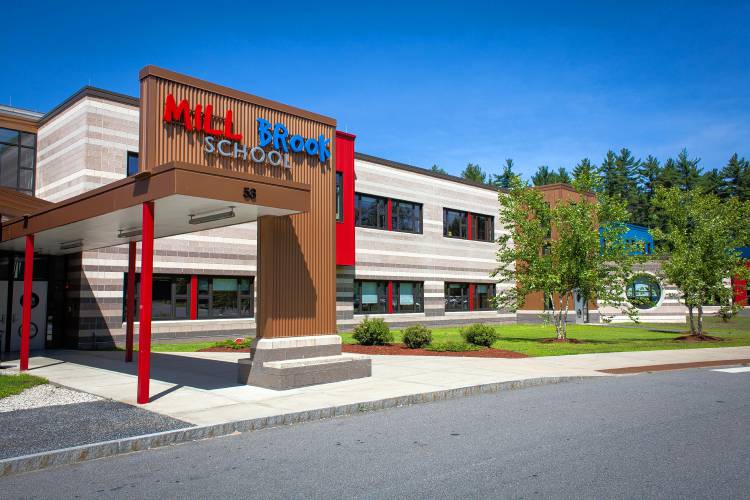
<point>235,343</point>
<point>479,334</point>
<point>372,332</point>
<point>451,346</point>
<point>417,336</point>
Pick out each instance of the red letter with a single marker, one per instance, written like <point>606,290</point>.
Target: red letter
<point>228,128</point>
<point>207,116</point>
<point>198,121</point>
<point>172,112</point>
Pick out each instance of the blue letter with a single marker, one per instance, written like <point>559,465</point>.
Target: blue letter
<point>264,132</point>
<point>279,136</point>
<point>323,148</point>
<point>311,146</point>
<point>297,143</point>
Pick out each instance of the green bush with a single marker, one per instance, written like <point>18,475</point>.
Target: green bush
<point>417,336</point>
<point>479,334</point>
<point>234,343</point>
<point>451,346</point>
<point>372,332</point>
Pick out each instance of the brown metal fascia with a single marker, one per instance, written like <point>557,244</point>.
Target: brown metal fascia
<point>165,180</point>
<point>165,74</point>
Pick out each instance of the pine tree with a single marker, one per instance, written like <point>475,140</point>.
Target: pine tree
<point>439,170</point>
<point>649,172</point>
<point>563,176</point>
<point>688,171</point>
<point>503,180</point>
<point>474,173</point>
<point>543,176</point>
<point>610,186</point>
<point>736,178</point>
<point>711,182</point>
<point>669,177</point>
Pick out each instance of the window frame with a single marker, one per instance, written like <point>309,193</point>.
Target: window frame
<point>417,295</point>
<point>652,280</point>
<point>358,217</point>
<point>464,296</point>
<point>474,227</point>
<point>491,292</point>
<point>395,216</point>
<point>382,294</point>
<point>128,156</point>
<point>463,226</point>
<point>209,297</point>
<point>19,146</point>
<point>339,197</point>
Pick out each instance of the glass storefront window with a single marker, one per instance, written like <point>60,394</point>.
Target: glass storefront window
<point>456,296</point>
<point>370,297</point>
<point>643,291</point>
<point>483,294</point>
<point>408,296</point>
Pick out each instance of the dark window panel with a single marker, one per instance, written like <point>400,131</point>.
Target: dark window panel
<point>27,158</point>
<point>370,211</point>
<point>28,140</point>
<point>406,216</point>
<point>8,136</point>
<point>26,179</point>
<point>455,223</point>
<point>456,296</point>
<point>9,167</point>
<point>132,163</point>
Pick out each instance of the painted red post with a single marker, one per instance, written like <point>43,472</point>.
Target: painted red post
<point>130,304</point>
<point>28,283</point>
<point>390,297</point>
<point>144,328</point>
<point>390,215</point>
<point>194,297</point>
<point>472,288</point>
<point>468,226</point>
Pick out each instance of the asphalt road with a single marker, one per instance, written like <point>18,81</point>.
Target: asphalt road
<point>679,434</point>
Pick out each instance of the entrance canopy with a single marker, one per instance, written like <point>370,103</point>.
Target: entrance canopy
<point>187,198</point>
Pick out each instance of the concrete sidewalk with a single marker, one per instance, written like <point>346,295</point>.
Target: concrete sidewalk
<point>200,388</point>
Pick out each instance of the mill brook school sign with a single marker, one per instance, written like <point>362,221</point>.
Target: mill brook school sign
<point>225,142</point>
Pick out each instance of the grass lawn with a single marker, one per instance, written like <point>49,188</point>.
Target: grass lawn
<point>11,385</point>
<point>528,339</point>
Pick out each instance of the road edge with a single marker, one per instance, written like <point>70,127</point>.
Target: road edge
<point>104,449</point>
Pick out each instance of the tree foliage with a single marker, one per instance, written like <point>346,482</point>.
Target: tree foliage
<point>474,173</point>
<point>575,260</point>
<point>545,176</point>
<point>698,243</point>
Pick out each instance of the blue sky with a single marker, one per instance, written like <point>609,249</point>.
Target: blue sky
<point>445,83</point>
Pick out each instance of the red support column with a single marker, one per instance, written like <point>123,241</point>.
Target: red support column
<point>144,329</point>
<point>390,297</point>
<point>28,283</point>
<point>472,288</point>
<point>130,304</point>
<point>468,226</point>
<point>194,297</point>
<point>389,214</point>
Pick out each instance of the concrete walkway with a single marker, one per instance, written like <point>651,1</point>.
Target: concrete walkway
<point>200,388</point>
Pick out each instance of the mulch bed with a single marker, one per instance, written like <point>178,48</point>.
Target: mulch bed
<point>402,350</point>
<point>223,349</point>
<point>674,366</point>
<point>698,338</point>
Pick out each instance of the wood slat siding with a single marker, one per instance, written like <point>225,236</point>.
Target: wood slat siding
<point>296,254</point>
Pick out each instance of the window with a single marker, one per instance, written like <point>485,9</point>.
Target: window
<point>548,306</point>
<point>455,223</point>
<point>17,160</point>
<point>482,227</point>
<point>456,296</point>
<point>339,196</point>
<point>225,297</point>
<point>132,166</point>
<point>406,216</point>
<point>483,294</point>
<point>370,296</point>
<point>643,291</point>
<point>370,211</point>
<point>169,297</point>
<point>408,296</point>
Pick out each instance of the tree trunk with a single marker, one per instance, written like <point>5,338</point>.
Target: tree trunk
<point>700,320</point>
<point>565,317</point>
<point>692,322</point>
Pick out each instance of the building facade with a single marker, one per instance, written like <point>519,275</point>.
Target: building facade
<point>412,245</point>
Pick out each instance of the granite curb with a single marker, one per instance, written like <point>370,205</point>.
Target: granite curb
<point>77,454</point>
